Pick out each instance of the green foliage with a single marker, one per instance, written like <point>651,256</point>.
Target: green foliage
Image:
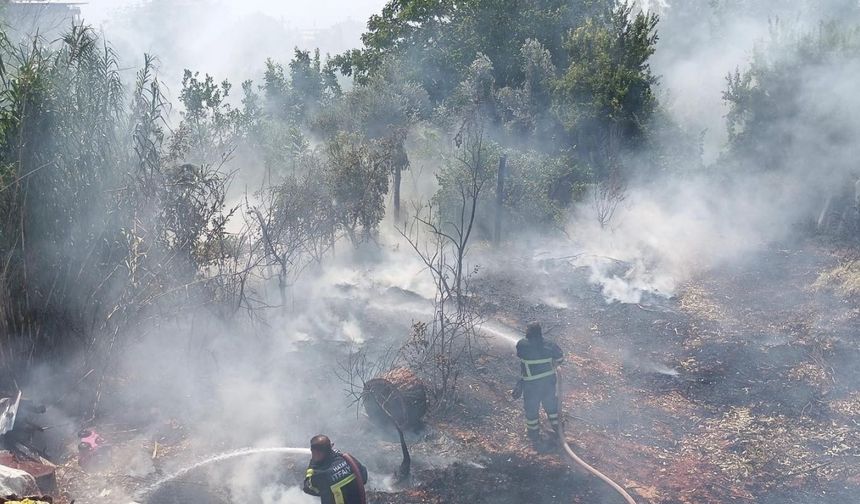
<point>386,105</point>
<point>101,224</point>
<point>295,94</point>
<point>59,152</point>
<point>441,38</point>
<point>303,211</point>
<point>605,96</point>
<point>210,127</point>
<point>539,188</point>
<point>357,176</point>
<point>294,224</point>
<point>567,78</point>
<point>784,112</point>
<point>525,110</point>
<point>109,215</point>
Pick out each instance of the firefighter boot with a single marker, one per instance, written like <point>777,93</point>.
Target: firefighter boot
<point>539,443</point>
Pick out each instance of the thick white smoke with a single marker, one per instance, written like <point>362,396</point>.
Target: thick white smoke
<point>662,235</point>
<point>668,229</point>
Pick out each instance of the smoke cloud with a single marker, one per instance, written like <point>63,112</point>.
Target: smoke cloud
<point>668,230</point>
<point>272,380</point>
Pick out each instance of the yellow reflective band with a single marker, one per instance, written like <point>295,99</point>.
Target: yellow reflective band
<point>552,415</point>
<point>530,363</point>
<point>532,427</point>
<point>308,476</point>
<point>337,488</point>
<point>538,376</point>
<point>533,362</point>
<point>532,422</point>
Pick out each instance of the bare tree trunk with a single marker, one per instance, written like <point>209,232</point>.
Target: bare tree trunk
<point>398,170</point>
<point>500,198</point>
<point>282,288</point>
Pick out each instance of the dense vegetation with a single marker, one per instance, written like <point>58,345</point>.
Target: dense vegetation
<point>114,213</point>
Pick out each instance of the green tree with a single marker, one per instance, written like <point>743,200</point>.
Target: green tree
<point>792,107</point>
<point>209,130</point>
<point>441,38</point>
<point>294,94</point>
<point>526,110</point>
<point>382,110</point>
<point>99,225</point>
<point>605,97</point>
<point>357,177</point>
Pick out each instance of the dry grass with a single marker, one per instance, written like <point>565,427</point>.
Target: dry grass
<point>697,301</point>
<point>844,279</point>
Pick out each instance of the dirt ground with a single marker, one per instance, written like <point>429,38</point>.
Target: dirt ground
<point>741,388</point>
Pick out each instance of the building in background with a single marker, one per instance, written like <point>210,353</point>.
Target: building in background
<point>26,18</point>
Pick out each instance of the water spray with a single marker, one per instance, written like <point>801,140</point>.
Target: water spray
<point>141,496</point>
<point>500,332</point>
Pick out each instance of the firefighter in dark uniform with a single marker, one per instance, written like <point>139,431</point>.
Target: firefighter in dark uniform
<point>538,359</point>
<point>334,477</point>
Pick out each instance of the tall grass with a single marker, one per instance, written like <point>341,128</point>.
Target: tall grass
<point>101,225</point>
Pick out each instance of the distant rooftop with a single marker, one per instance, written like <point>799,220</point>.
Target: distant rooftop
<point>48,18</point>
<point>40,5</point>
<point>41,2</point>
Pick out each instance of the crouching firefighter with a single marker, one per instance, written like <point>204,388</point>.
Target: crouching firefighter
<point>334,477</point>
<point>538,360</point>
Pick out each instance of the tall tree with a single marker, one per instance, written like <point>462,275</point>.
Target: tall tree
<point>605,97</point>
<point>442,37</point>
<point>795,105</point>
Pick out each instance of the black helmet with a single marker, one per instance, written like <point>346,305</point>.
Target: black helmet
<point>533,330</point>
<point>321,443</point>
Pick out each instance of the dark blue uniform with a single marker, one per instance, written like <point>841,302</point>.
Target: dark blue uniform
<point>333,480</point>
<point>537,365</point>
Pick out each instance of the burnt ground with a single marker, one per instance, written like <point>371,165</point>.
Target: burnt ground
<point>741,388</point>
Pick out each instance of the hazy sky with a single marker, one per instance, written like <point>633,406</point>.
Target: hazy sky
<point>226,38</point>
<point>298,13</point>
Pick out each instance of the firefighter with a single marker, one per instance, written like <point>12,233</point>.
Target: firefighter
<point>538,359</point>
<point>334,477</point>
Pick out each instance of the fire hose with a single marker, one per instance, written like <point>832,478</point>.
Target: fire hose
<point>570,453</point>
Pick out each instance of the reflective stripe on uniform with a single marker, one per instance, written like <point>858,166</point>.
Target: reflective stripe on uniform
<point>539,376</point>
<point>528,363</point>
<point>553,418</point>
<point>532,424</point>
<point>337,488</point>
<point>538,361</point>
<point>308,476</point>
